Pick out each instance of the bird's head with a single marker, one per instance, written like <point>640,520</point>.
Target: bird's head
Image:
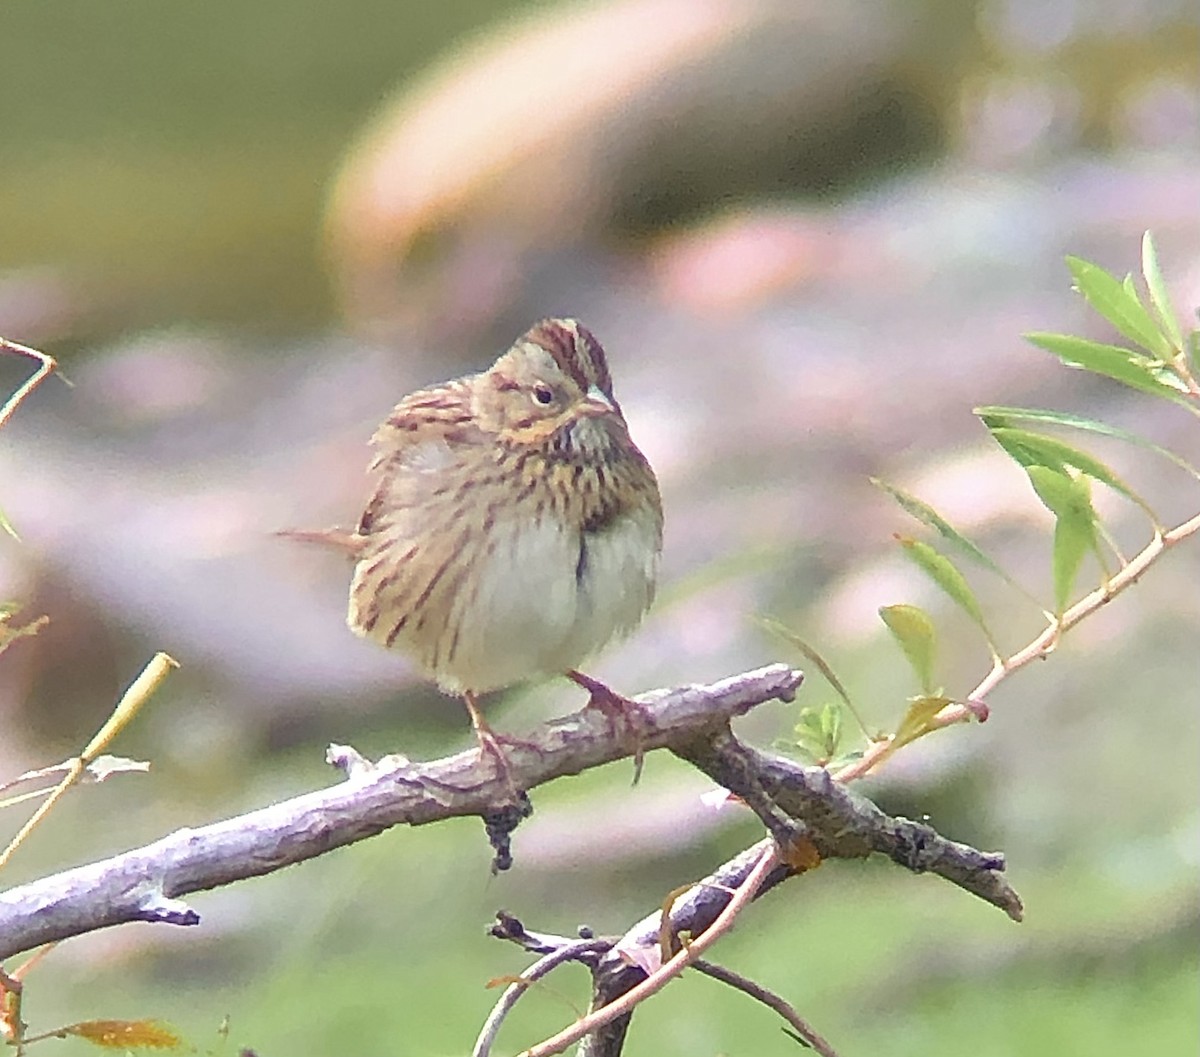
<point>553,388</point>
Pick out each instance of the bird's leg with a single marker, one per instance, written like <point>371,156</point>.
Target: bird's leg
<point>490,742</point>
<point>633,716</point>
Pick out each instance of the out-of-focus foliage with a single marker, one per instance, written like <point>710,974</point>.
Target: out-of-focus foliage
<point>173,159</point>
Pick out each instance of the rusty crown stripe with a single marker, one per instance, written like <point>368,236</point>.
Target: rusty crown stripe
<point>576,351</point>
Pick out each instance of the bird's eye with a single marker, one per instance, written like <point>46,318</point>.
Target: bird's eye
<point>543,394</point>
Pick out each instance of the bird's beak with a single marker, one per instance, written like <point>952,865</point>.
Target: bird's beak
<point>595,402</point>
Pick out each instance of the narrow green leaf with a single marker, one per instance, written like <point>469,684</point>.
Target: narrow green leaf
<point>831,726</point>
<point>1073,538</point>
<point>1001,416</point>
<point>1158,292</point>
<point>1037,449</point>
<point>1118,303</point>
<point>914,630</point>
<point>6,526</point>
<point>1110,546</point>
<point>818,733</point>
<point>1112,361</point>
<point>810,739</point>
<point>1068,498</point>
<point>946,575</point>
<point>743,562</point>
<point>925,514</point>
<point>916,721</point>
<point>1057,489</point>
<point>811,655</point>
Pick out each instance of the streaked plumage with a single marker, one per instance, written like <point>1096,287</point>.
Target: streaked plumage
<point>515,527</point>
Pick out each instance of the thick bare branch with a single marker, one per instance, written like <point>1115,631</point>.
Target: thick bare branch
<point>840,823</point>
<point>147,884</point>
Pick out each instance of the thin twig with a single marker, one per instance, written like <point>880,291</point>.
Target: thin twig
<point>9,634</point>
<point>512,994</point>
<point>100,769</point>
<point>12,1027</point>
<point>768,998</point>
<point>1041,646</point>
<point>130,704</point>
<point>656,981</point>
<point>47,366</point>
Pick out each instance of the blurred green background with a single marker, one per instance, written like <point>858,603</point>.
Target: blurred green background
<point>168,166</point>
<point>178,155</point>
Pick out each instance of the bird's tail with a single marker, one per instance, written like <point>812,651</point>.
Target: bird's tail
<point>349,543</point>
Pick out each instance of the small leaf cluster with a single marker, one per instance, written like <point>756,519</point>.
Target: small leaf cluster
<point>1159,360</point>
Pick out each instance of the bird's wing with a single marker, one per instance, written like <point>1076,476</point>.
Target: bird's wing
<point>423,438</point>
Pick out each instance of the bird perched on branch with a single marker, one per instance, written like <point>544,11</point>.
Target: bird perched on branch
<point>515,527</point>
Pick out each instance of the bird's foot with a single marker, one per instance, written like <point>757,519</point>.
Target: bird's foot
<point>635,718</point>
<point>492,744</point>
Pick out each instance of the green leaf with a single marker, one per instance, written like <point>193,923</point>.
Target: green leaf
<point>1068,498</point>
<point>1131,290</point>
<point>925,514</point>
<point>1112,361</point>
<point>819,733</point>
<point>1119,303</point>
<point>1037,449</point>
<point>1158,292</point>
<point>813,657</point>
<point>997,416</point>
<point>914,630</point>
<point>1073,538</point>
<point>743,562</point>
<point>831,726</point>
<point>809,740</point>
<point>1062,493</point>
<point>916,721</point>
<point>6,526</point>
<point>946,575</point>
